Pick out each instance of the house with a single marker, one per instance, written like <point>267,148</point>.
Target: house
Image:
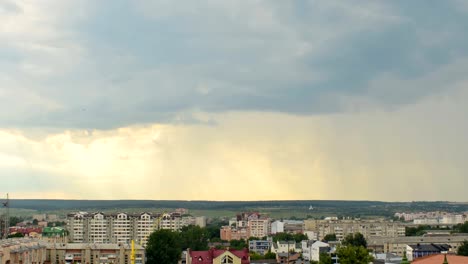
<point>285,247</point>
<point>311,249</point>
<point>283,258</point>
<point>218,256</point>
<point>421,250</point>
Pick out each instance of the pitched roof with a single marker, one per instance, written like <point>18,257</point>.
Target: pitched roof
<point>439,259</point>
<point>207,256</point>
<point>430,247</point>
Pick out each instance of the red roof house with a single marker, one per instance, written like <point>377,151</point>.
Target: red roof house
<point>218,256</point>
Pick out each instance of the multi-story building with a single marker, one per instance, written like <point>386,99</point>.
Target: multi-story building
<point>58,253</point>
<point>259,227</point>
<point>277,227</point>
<point>119,228</point>
<point>23,250</point>
<point>259,246</point>
<point>398,245</point>
<point>246,225</point>
<point>294,226</point>
<point>369,228</point>
<point>232,233</point>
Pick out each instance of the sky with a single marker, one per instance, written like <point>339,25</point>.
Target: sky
<point>234,99</point>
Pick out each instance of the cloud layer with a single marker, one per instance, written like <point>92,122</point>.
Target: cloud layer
<point>234,100</point>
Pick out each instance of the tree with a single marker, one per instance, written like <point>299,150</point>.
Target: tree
<point>35,222</point>
<point>255,256</point>
<point>282,237</point>
<point>194,237</point>
<point>16,235</point>
<point>163,247</point>
<point>289,237</point>
<point>416,231</point>
<point>270,255</point>
<point>462,228</point>
<point>356,240</point>
<point>325,258</point>
<point>463,249</point>
<point>15,220</point>
<point>353,255</point>
<point>330,237</point>
<point>238,244</point>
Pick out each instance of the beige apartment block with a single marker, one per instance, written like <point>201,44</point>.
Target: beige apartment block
<point>398,245</point>
<point>369,228</point>
<point>103,228</point>
<point>24,251</point>
<point>93,253</point>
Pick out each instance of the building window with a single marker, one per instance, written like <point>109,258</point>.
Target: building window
<point>227,259</point>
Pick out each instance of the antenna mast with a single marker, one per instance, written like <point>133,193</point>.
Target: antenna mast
<point>6,221</point>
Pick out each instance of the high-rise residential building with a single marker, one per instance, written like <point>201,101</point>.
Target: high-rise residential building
<point>259,227</point>
<point>121,227</point>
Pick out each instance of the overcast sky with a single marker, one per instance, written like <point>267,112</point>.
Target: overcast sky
<point>234,99</point>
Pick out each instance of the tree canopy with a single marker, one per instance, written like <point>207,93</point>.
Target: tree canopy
<point>330,237</point>
<point>289,237</point>
<point>462,228</point>
<point>463,249</point>
<point>194,237</point>
<point>353,255</point>
<point>356,239</point>
<point>163,247</point>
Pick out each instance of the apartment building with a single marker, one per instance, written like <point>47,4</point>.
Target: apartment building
<point>102,228</point>
<point>259,227</point>
<point>398,245</point>
<point>26,251</point>
<point>369,228</point>
<point>58,253</point>
<point>246,225</point>
<point>232,233</point>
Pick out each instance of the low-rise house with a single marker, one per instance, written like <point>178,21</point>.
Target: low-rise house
<point>287,257</point>
<point>218,256</point>
<point>311,249</point>
<point>421,250</point>
<point>55,235</point>
<point>285,247</point>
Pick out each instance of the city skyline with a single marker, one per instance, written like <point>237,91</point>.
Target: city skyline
<point>234,100</point>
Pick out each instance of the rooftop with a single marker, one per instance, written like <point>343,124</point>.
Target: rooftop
<point>439,259</point>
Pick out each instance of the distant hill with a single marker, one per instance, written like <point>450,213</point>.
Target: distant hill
<point>381,208</point>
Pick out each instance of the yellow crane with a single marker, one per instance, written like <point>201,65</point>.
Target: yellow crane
<point>132,254</point>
